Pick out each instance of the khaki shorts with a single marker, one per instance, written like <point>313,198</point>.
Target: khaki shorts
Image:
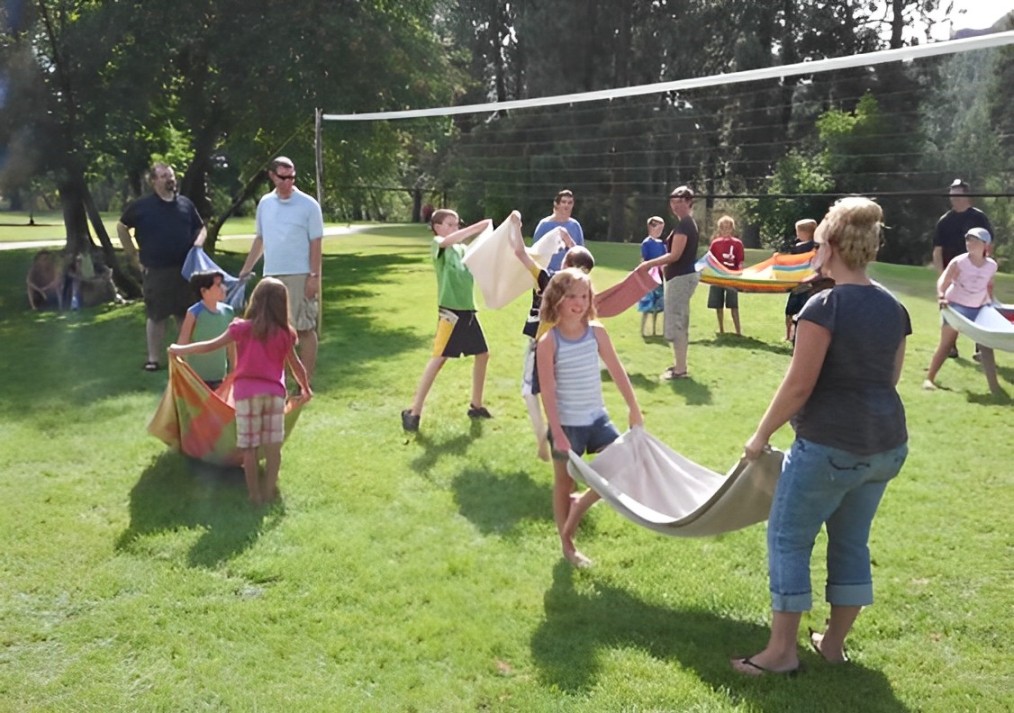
<point>302,312</point>
<point>678,292</point>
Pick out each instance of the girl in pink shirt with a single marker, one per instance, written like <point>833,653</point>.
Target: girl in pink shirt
<point>966,286</point>
<point>265,344</point>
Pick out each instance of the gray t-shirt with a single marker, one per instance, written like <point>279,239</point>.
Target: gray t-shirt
<point>855,405</point>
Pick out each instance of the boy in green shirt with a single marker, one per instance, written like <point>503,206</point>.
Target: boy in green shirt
<point>458,329</point>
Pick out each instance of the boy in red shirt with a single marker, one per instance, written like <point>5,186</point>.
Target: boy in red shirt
<point>728,250</point>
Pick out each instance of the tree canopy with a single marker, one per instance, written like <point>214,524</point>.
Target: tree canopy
<point>92,92</point>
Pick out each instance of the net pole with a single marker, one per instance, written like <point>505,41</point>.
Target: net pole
<point>318,151</point>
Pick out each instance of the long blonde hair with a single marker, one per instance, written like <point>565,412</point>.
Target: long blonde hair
<point>557,289</point>
<point>269,308</point>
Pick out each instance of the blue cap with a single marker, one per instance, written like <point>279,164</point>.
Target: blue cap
<point>979,234</point>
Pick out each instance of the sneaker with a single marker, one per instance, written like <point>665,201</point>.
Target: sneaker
<point>409,421</point>
<point>928,385</point>
<point>953,354</point>
<point>478,412</point>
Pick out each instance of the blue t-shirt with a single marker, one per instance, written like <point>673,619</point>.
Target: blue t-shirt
<point>164,230</point>
<point>571,226</point>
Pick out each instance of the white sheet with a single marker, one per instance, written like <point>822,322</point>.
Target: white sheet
<point>499,274</point>
<point>990,328</point>
<point>653,486</point>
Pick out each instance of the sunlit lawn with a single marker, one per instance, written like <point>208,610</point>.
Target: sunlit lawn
<point>421,573</point>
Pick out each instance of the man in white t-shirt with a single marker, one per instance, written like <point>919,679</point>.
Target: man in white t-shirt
<point>290,227</point>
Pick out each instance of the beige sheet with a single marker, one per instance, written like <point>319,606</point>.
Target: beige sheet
<point>653,486</point>
<point>498,273</point>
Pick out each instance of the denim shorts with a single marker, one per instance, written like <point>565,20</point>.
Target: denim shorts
<point>969,313</point>
<point>587,439</point>
<point>822,485</point>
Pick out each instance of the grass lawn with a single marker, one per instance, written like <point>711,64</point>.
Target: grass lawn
<point>422,572</point>
<point>15,227</point>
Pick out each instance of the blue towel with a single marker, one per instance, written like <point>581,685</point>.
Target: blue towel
<point>235,288</point>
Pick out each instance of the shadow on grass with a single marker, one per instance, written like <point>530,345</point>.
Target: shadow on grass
<point>435,449</point>
<point>496,503</point>
<point>579,628</point>
<point>751,343</point>
<point>96,354</point>
<point>178,492</point>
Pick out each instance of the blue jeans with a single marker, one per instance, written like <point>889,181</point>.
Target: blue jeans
<point>822,485</point>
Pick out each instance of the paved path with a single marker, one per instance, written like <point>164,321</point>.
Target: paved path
<point>329,231</point>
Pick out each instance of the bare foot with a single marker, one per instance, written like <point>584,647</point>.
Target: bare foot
<point>577,559</point>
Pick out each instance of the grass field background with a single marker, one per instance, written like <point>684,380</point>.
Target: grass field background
<point>422,572</point>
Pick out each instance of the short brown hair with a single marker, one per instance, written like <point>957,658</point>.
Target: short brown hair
<point>565,193</point>
<point>281,161</point>
<point>204,280</point>
<point>579,257</point>
<point>684,192</point>
<point>439,216</point>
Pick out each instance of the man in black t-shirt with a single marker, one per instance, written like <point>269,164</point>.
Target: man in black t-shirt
<point>949,236</point>
<point>165,226</point>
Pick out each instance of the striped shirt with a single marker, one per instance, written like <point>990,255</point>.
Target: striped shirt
<point>578,379</point>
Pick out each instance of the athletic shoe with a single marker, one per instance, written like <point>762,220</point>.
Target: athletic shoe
<point>409,421</point>
<point>953,354</point>
<point>478,412</point>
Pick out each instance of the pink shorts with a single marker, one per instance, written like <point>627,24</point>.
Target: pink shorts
<point>260,420</point>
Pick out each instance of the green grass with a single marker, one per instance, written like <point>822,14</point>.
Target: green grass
<point>422,573</point>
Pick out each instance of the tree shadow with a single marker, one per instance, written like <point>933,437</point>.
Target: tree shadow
<point>497,503</point>
<point>580,626</point>
<point>93,355</point>
<point>179,492</point>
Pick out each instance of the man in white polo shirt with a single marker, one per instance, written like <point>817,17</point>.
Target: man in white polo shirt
<point>289,232</point>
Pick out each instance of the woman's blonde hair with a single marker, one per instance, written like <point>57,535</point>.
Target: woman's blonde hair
<point>558,287</point>
<point>854,226</point>
<point>726,220</point>
<point>269,307</point>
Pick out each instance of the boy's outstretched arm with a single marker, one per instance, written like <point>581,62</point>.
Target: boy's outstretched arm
<point>464,233</point>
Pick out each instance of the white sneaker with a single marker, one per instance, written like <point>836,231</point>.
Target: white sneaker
<point>929,385</point>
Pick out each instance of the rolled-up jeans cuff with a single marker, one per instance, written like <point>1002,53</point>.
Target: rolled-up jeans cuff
<point>792,602</point>
<point>849,595</point>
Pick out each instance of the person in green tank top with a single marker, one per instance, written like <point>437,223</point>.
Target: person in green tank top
<point>206,320</point>
<point>458,329</point>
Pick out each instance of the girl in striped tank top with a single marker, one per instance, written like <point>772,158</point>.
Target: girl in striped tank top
<point>571,388</point>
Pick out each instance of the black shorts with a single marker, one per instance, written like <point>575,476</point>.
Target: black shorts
<point>458,334</point>
<point>719,297</point>
<point>166,293</point>
<point>796,302</point>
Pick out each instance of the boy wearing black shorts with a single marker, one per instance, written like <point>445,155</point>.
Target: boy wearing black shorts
<point>458,330</point>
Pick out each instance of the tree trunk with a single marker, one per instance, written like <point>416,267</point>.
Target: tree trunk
<point>72,190</point>
<point>216,223</point>
<point>125,281</point>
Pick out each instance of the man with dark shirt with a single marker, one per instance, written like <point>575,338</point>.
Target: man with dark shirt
<point>165,226</point>
<point>949,237</point>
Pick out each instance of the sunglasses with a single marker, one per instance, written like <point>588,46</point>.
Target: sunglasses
<point>290,177</point>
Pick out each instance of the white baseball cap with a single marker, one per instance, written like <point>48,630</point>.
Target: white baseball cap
<point>979,234</point>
